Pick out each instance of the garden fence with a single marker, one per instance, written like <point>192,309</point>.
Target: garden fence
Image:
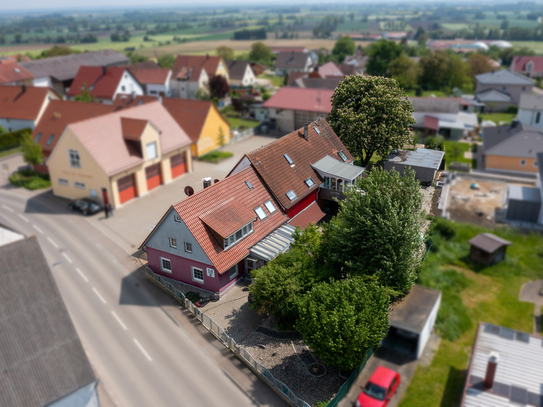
<point>226,340</point>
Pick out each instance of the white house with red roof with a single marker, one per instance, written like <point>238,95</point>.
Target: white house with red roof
<point>531,66</point>
<point>22,107</point>
<point>155,81</point>
<point>210,239</point>
<point>290,108</point>
<point>104,83</point>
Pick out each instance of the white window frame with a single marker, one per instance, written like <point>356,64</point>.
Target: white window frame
<point>295,196</point>
<point>210,272</point>
<point>269,203</point>
<point>194,278</point>
<point>63,181</point>
<point>173,242</point>
<point>80,185</point>
<point>251,260</point>
<point>73,162</point>
<point>236,273</point>
<point>162,265</point>
<point>309,180</point>
<point>263,216</point>
<point>186,247</point>
<point>151,145</point>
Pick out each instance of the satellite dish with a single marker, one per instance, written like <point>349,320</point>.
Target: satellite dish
<point>189,190</point>
<point>216,180</point>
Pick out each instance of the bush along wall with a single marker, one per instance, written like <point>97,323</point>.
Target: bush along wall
<point>13,139</point>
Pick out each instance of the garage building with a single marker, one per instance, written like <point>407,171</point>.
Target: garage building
<point>423,161</point>
<point>523,204</point>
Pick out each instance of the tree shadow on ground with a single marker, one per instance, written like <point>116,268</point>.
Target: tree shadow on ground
<point>452,393</point>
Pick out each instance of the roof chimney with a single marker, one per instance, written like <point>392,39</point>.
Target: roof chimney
<point>207,182</point>
<point>23,87</point>
<point>491,369</point>
<point>104,70</point>
<point>207,56</point>
<point>306,131</point>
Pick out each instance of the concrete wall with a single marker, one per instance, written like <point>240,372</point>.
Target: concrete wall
<point>283,118</point>
<point>502,163</point>
<point>513,90</point>
<point>428,326</point>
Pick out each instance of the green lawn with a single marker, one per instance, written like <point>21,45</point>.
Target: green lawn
<point>236,122</point>
<point>10,152</point>
<point>277,81</point>
<point>216,156</point>
<point>30,179</point>
<point>497,118</point>
<point>471,294</point>
<point>461,149</point>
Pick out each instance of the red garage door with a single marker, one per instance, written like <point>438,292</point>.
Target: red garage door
<point>178,164</point>
<point>127,188</point>
<point>154,179</point>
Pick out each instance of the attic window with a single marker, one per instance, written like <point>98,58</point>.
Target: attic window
<point>38,137</point>
<point>342,155</point>
<point>291,195</point>
<point>317,129</point>
<point>289,160</point>
<point>260,212</point>
<point>271,207</point>
<point>309,182</point>
<point>50,140</point>
<point>249,185</point>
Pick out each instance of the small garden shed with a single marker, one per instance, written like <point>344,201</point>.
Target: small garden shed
<point>487,249</point>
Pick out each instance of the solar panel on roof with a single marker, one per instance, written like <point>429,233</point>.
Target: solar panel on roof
<point>500,389</point>
<point>519,395</point>
<point>522,337</point>
<point>492,329</point>
<point>507,333</point>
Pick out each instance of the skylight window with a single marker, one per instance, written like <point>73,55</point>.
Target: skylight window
<point>317,129</point>
<point>38,137</point>
<point>289,160</point>
<point>50,140</point>
<point>249,185</point>
<point>342,155</point>
<point>260,212</point>
<point>309,182</point>
<point>271,207</point>
<point>291,195</point>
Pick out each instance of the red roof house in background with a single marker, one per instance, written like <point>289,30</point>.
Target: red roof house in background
<point>12,73</point>
<point>155,81</point>
<point>531,66</point>
<point>104,83</point>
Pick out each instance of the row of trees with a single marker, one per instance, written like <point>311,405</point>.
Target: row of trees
<point>336,283</point>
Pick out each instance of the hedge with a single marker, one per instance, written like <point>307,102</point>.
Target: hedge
<point>13,139</point>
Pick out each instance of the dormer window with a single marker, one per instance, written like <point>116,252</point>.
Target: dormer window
<point>342,156</point>
<point>291,195</point>
<point>309,182</point>
<point>238,235</point>
<point>249,185</point>
<point>260,212</point>
<point>289,160</point>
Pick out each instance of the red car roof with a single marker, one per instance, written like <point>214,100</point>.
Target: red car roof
<point>383,376</point>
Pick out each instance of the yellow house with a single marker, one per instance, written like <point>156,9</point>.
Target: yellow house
<point>119,156</point>
<point>202,121</point>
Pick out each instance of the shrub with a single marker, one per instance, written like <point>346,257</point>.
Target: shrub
<point>511,109</point>
<point>193,297</point>
<point>13,139</point>
<point>30,179</point>
<point>444,227</point>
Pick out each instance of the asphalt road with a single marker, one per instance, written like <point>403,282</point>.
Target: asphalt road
<point>141,356</point>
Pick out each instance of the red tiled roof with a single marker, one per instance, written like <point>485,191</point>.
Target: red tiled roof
<point>209,63</point>
<point>61,113</point>
<point>129,101</point>
<point>133,128</point>
<point>151,75</point>
<point>190,209</point>
<point>329,69</point>
<point>311,214</point>
<point>520,63</point>
<point>293,75</point>
<point>288,49</point>
<point>99,85</point>
<point>12,72</point>
<point>277,173</point>
<point>22,105</point>
<point>305,99</point>
<point>103,137</point>
<point>228,217</point>
<point>191,115</point>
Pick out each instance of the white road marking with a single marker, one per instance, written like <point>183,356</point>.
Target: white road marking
<point>67,258</point>
<point>98,294</point>
<point>143,350</point>
<point>52,242</point>
<point>119,320</point>
<point>82,275</point>
<point>23,218</point>
<point>8,208</point>
<point>38,229</point>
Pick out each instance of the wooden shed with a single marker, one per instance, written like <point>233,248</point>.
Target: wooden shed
<point>487,249</point>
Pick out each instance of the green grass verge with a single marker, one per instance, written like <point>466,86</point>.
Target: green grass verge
<point>30,179</point>
<point>504,118</point>
<point>10,152</point>
<point>236,123</point>
<point>216,156</point>
<point>471,294</point>
<point>277,81</point>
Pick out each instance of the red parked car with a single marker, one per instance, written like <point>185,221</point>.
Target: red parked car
<point>379,389</point>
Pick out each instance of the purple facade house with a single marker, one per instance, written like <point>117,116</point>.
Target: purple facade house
<point>210,239</point>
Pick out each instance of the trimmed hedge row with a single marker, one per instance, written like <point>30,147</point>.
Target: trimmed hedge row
<point>13,139</point>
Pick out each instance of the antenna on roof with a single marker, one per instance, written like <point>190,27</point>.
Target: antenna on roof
<point>189,190</point>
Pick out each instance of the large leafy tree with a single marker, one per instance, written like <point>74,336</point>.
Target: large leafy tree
<point>381,54</point>
<point>261,53</point>
<point>343,47</point>
<point>371,115</point>
<point>32,153</point>
<point>342,320</point>
<point>478,64</point>
<point>405,71</point>
<point>377,232</point>
<point>218,86</point>
<point>225,52</point>
<point>166,61</point>
<point>444,70</point>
